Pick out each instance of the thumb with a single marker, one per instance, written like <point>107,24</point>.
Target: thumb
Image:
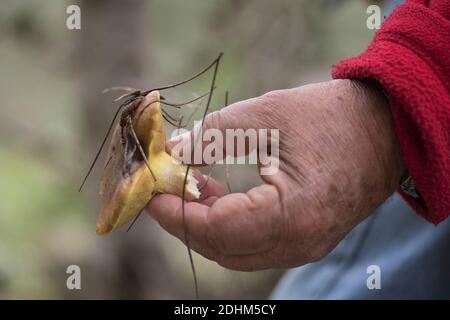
<point>207,143</point>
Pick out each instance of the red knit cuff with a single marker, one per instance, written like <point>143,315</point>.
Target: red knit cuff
<point>410,58</point>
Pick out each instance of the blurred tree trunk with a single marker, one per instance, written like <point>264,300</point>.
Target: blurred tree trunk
<point>112,52</point>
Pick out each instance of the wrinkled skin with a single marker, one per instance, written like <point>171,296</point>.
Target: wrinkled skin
<point>339,159</point>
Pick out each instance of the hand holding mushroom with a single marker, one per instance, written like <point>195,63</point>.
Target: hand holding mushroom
<point>339,159</point>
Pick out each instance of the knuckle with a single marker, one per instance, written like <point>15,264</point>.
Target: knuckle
<point>272,98</point>
<point>268,108</point>
<point>213,120</point>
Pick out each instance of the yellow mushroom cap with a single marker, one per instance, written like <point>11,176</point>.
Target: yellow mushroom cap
<point>123,196</point>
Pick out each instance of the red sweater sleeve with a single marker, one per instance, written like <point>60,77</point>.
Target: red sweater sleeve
<point>410,57</point>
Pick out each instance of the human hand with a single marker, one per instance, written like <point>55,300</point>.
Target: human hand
<point>338,160</point>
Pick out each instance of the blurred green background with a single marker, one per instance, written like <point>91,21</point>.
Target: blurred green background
<point>53,117</point>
